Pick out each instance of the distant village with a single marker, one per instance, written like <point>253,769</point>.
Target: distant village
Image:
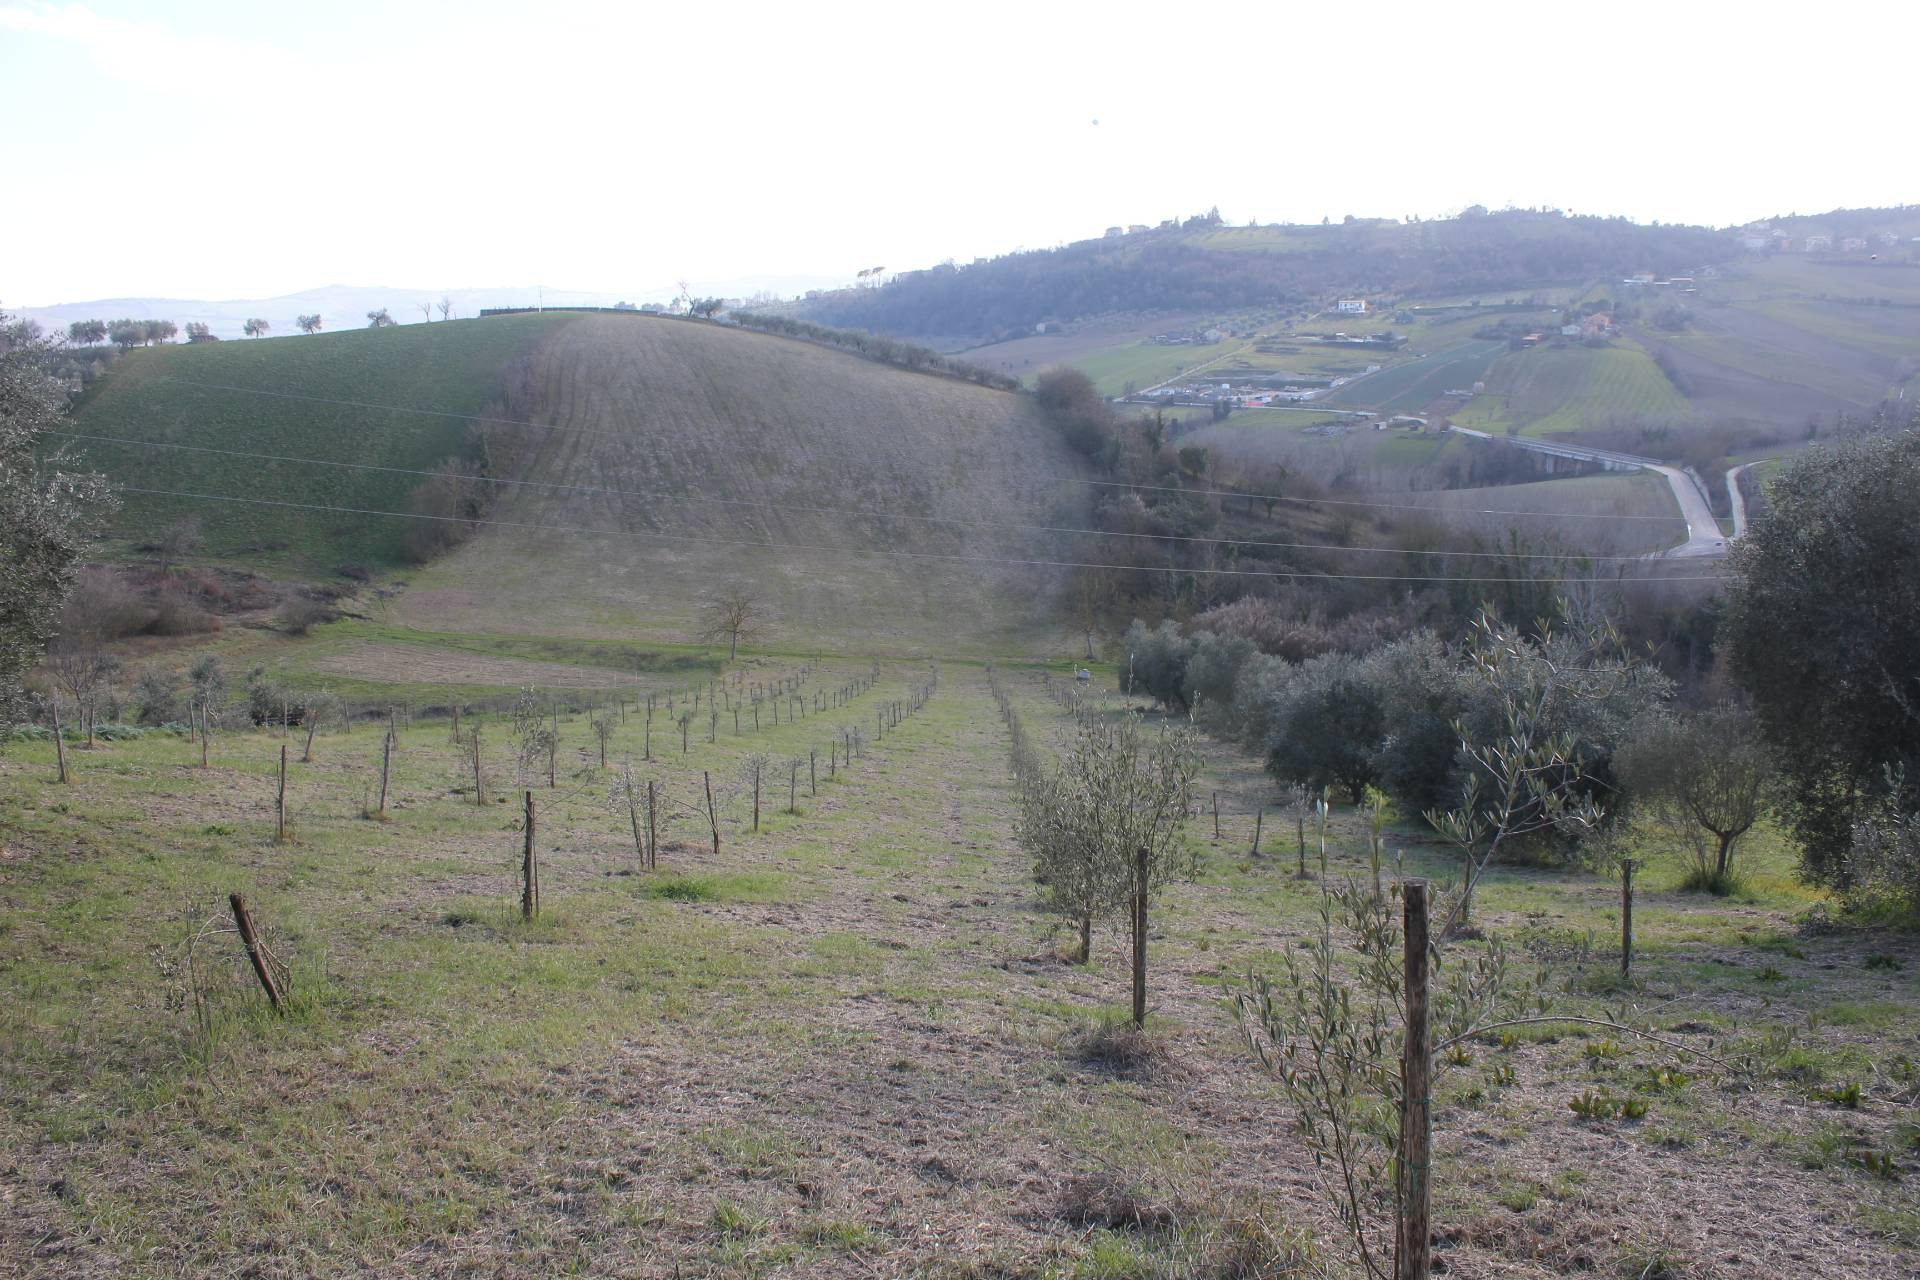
<point>1766,238</point>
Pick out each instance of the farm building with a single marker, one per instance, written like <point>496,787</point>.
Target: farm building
<point>1351,306</point>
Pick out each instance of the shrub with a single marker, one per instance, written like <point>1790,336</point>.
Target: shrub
<point>156,697</point>
<point>300,615</point>
<point>175,613</point>
<point>1156,663</point>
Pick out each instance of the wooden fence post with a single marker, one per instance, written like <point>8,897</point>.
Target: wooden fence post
<point>205,733</point>
<point>479,786</point>
<point>529,870</point>
<point>255,953</point>
<point>1140,937</point>
<point>793,787</point>
<point>280,800</point>
<point>653,836</point>
<point>386,768</point>
<point>813,771</point>
<point>1626,917</point>
<point>59,742</point>
<point>1259,817</point>
<point>1216,815</point>
<point>1412,1245</point>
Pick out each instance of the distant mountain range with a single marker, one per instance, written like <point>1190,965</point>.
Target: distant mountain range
<point>346,306</point>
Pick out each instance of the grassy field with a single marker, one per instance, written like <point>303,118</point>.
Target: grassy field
<point>185,395</point>
<point>1555,389</point>
<point>1407,388</point>
<point>844,1045</point>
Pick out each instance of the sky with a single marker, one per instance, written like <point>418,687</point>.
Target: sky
<point>247,150</point>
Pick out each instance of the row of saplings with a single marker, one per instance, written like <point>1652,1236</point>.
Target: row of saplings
<point>1356,1044</point>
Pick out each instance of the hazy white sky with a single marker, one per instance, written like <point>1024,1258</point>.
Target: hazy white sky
<point>224,150</point>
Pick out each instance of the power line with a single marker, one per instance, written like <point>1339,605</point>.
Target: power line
<point>864,551</point>
<point>1052,476</point>
<point>605,491</point>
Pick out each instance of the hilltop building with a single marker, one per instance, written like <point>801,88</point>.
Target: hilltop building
<point>1854,244</point>
<point>1819,244</point>
<point>1351,306</point>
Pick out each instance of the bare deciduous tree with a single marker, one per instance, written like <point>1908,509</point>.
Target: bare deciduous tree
<point>308,324</point>
<point>256,328</point>
<point>446,307</point>
<point>733,615</point>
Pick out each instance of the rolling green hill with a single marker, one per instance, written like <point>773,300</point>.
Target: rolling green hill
<point>637,464</point>
<point>209,396</point>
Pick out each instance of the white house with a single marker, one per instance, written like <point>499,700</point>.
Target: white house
<point>1351,306</point>
<point>1819,244</point>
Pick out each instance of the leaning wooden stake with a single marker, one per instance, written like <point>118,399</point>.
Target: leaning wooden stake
<point>1412,1247</point>
<point>280,800</point>
<point>60,743</point>
<point>713,819</point>
<point>1216,815</point>
<point>256,954</point>
<point>529,870</point>
<point>479,786</point>
<point>204,734</point>
<point>1259,816</point>
<point>1626,917</point>
<point>813,771</point>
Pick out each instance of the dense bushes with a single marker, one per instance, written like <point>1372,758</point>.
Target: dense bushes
<point>1392,717</point>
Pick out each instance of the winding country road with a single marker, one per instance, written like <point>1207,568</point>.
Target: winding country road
<point>1703,530</point>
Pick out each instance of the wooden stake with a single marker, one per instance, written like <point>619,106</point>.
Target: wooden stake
<point>1626,917</point>
<point>529,869</point>
<point>1259,816</point>
<point>1140,937</point>
<point>1412,1246</point>
<point>479,786</point>
<point>59,742</point>
<point>256,954</point>
<point>1216,815</point>
<point>386,768</point>
<point>793,788</point>
<point>813,771</point>
<point>713,819</point>
<point>204,734</point>
<point>280,801</point>
<point>653,836</point>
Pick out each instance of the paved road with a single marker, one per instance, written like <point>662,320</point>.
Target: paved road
<point>1703,531</point>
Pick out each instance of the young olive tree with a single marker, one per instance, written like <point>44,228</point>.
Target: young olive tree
<point>534,739</point>
<point>1710,772</point>
<point>321,707</point>
<point>1112,822</point>
<point>1530,755</point>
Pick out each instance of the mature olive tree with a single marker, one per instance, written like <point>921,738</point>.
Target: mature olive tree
<point>48,513</point>
<point>1820,624</point>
